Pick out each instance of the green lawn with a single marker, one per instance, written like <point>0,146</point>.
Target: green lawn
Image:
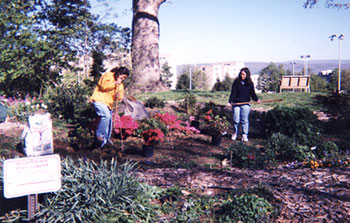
<point>292,99</point>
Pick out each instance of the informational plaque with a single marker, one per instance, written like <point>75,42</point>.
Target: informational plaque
<point>32,175</point>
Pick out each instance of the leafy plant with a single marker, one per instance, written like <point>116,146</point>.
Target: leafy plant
<point>216,124</point>
<point>93,192</point>
<point>189,103</point>
<point>154,102</point>
<point>326,149</point>
<point>150,123</point>
<point>245,208</point>
<point>152,136</point>
<point>285,148</point>
<point>246,156</point>
<point>20,110</point>
<point>124,126</point>
<point>298,123</point>
<point>70,101</point>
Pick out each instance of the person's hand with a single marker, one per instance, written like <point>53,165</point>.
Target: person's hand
<point>228,104</point>
<point>258,101</point>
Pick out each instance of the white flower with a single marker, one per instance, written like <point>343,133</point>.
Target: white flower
<point>27,103</point>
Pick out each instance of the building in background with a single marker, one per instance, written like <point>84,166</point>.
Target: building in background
<point>213,71</point>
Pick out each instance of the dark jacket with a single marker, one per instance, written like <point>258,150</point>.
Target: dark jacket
<point>242,92</point>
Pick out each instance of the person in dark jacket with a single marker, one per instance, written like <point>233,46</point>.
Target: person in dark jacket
<point>242,91</point>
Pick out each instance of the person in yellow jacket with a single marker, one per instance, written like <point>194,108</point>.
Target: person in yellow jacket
<point>108,89</point>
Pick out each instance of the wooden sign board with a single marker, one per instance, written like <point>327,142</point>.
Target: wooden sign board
<point>295,82</point>
<point>32,175</point>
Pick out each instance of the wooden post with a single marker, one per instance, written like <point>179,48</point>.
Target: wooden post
<point>32,200</point>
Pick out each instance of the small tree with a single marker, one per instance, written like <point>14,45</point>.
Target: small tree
<point>183,82</point>
<point>224,85</point>
<point>166,74</point>
<point>317,83</point>
<point>270,78</point>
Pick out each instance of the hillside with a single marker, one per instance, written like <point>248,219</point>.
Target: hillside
<point>315,66</point>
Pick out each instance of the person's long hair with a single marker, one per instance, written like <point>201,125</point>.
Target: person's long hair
<point>248,79</point>
<point>120,71</point>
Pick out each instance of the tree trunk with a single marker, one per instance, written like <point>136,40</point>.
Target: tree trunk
<point>145,46</point>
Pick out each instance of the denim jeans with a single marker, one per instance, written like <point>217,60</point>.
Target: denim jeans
<point>241,117</point>
<point>104,128</point>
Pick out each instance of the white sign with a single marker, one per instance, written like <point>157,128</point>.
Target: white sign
<point>32,175</point>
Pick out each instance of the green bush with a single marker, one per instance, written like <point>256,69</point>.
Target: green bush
<point>189,103</point>
<point>154,102</point>
<point>246,156</point>
<point>70,101</point>
<point>150,123</point>
<point>326,149</point>
<point>178,207</point>
<point>282,147</point>
<point>245,208</point>
<point>298,123</point>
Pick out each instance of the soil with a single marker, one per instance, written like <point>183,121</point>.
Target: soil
<point>305,195</point>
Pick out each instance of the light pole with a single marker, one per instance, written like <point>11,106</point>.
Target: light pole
<point>340,38</point>
<point>293,63</point>
<point>305,57</point>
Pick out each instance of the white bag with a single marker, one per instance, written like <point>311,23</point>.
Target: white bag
<point>37,137</point>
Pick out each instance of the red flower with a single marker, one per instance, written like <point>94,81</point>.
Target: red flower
<point>125,125</point>
<point>152,136</point>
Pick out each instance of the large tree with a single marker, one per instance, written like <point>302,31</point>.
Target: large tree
<point>145,45</point>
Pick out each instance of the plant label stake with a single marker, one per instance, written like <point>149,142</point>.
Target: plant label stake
<point>32,200</point>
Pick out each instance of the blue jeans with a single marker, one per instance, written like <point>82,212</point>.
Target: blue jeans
<point>241,117</point>
<point>104,128</point>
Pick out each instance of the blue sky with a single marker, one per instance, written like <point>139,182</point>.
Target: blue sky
<point>201,31</point>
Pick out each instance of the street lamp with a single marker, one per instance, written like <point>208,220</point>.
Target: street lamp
<point>293,63</point>
<point>340,38</point>
<point>305,57</point>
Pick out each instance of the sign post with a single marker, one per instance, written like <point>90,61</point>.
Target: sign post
<point>31,176</point>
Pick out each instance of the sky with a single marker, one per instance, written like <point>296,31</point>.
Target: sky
<point>207,31</point>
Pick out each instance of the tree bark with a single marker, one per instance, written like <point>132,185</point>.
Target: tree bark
<point>145,46</point>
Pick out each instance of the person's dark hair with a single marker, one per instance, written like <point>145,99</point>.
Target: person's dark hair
<point>120,71</point>
<point>248,79</point>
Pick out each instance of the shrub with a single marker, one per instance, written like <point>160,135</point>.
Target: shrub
<point>20,110</point>
<point>154,102</point>
<point>326,149</point>
<point>150,123</point>
<point>298,123</point>
<point>189,103</point>
<point>246,156</point>
<point>70,101</point>
<point>245,208</point>
<point>284,148</point>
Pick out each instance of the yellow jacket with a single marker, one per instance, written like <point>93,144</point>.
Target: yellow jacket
<point>106,91</point>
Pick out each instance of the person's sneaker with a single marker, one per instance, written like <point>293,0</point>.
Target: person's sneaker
<point>234,136</point>
<point>244,138</point>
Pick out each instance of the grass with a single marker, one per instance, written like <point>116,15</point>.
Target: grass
<point>290,99</point>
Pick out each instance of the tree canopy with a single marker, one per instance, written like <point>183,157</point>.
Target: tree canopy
<point>38,39</point>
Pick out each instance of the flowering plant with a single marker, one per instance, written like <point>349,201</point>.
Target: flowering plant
<point>152,136</point>
<point>124,125</point>
<point>172,123</point>
<point>216,124</point>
